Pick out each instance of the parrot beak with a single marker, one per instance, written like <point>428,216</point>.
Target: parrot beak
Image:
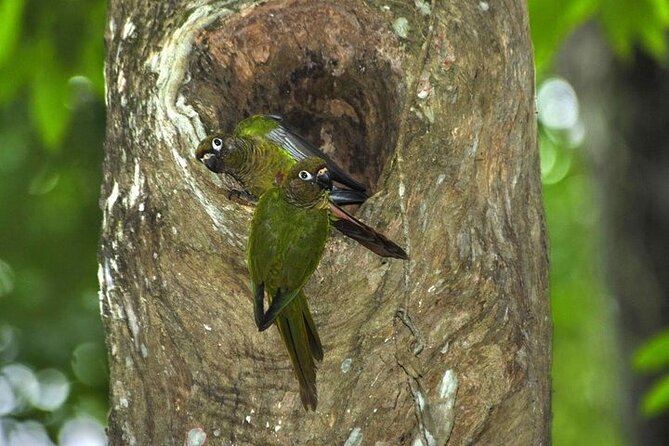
<point>323,179</point>
<point>212,162</point>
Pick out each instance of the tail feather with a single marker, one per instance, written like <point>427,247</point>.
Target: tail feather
<point>314,340</point>
<point>303,344</point>
<point>365,235</point>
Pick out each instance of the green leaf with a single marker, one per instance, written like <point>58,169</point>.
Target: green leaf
<point>11,12</point>
<point>49,96</point>
<point>654,354</point>
<point>641,22</point>
<point>552,22</point>
<point>661,9</point>
<point>655,42</point>
<point>656,400</point>
<point>12,75</point>
<point>625,24</point>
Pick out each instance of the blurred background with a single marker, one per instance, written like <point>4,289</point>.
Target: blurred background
<point>603,101</point>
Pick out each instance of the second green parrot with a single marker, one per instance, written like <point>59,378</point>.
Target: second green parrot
<point>287,240</point>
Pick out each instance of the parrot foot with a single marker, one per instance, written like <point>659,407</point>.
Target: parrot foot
<point>242,197</point>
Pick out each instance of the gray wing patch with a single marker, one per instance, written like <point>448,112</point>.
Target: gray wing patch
<point>299,148</point>
<point>291,143</point>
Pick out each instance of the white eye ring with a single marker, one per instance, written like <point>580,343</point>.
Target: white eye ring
<point>217,144</point>
<point>304,175</point>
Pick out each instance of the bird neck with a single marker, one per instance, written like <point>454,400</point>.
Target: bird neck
<point>256,163</point>
<point>240,161</point>
<point>305,198</point>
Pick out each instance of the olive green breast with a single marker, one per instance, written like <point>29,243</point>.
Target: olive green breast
<point>286,242</point>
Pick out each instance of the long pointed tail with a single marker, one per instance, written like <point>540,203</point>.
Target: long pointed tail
<point>299,334</point>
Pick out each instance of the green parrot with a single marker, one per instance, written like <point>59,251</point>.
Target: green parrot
<point>288,233</point>
<point>262,150</point>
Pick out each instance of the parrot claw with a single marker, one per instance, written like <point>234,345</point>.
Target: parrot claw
<point>242,197</point>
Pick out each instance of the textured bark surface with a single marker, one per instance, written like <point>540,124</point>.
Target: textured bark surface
<point>434,108</point>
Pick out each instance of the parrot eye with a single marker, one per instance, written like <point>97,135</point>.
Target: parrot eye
<point>304,175</point>
<point>216,144</point>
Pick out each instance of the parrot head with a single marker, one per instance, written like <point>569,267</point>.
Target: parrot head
<point>212,151</point>
<point>307,182</point>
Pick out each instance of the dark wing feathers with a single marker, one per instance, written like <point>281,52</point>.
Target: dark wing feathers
<point>363,234</point>
<point>347,196</point>
<point>300,148</point>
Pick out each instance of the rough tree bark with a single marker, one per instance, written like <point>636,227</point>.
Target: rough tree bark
<point>433,106</point>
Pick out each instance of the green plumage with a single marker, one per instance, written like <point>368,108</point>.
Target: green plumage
<point>255,126</point>
<point>261,147</point>
<point>283,232</point>
<point>287,240</point>
<point>290,226</point>
<point>261,152</point>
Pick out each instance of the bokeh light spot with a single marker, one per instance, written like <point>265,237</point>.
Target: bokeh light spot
<point>27,433</point>
<point>7,398</point>
<point>54,389</point>
<point>88,364</point>
<point>24,384</point>
<point>8,347</point>
<point>557,104</point>
<point>6,279</point>
<point>82,431</point>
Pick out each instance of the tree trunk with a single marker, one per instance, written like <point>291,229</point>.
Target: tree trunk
<point>433,107</point>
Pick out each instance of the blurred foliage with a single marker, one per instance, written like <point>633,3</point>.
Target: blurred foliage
<point>585,351</point>
<point>626,24</point>
<point>41,48</point>
<point>52,356</point>
<point>53,375</point>
<point>654,357</point>
<point>587,362</point>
